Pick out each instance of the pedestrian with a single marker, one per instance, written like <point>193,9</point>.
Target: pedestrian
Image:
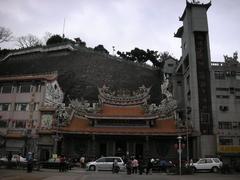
<point>18,160</point>
<point>9,158</point>
<point>29,162</point>
<point>134,166</point>
<point>115,168</point>
<point>82,162</point>
<point>62,163</point>
<point>191,162</point>
<point>129,166</point>
<point>149,166</point>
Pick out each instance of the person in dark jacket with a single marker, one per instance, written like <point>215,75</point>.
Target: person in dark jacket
<point>9,158</point>
<point>29,162</point>
<point>149,166</point>
<point>129,166</point>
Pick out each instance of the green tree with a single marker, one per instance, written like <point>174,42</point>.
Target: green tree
<point>56,39</point>
<point>142,56</point>
<point>80,42</point>
<point>100,48</point>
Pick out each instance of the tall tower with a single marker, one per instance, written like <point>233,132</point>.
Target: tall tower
<point>194,70</point>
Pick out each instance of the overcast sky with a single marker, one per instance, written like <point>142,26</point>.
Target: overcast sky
<point>125,24</point>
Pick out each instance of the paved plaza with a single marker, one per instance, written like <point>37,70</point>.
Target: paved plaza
<point>79,174</point>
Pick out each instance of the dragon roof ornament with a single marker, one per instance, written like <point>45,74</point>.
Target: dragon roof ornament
<point>123,96</point>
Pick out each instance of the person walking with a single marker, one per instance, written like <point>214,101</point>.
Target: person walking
<point>129,166</point>
<point>18,160</point>
<point>149,166</point>
<point>82,162</point>
<point>29,162</point>
<point>62,163</point>
<point>9,158</point>
<point>134,166</point>
<point>115,168</point>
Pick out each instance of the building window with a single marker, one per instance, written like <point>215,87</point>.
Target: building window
<point>3,123</point>
<point>179,83</point>
<point>24,88</point>
<point>170,65</point>
<point>236,125</point>
<point>222,96</point>
<point>222,89</point>
<point>219,75</point>
<point>6,88</point>
<point>38,88</point>
<point>237,89</point>
<point>225,125</point>
<point>225,141</point>
<point>20,124</point>
<point>223,108</point>
<point>21,107</point>
<point>237,75</point>
<point>5,106</point>
<point>237,97</point>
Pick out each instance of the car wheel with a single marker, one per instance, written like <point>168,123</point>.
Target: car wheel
<point>92,168</point>
<point>194,169</point>
<point>215,169</point>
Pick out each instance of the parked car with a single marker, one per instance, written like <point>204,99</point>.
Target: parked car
<point>14,159</point>
<point>105,163</point>
<point>207,164</point>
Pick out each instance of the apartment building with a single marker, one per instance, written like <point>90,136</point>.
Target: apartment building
<point>27,107</point>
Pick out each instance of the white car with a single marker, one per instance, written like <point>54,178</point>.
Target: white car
<point>105,163</point>
<point>14,158</point>
<point>203,164</point>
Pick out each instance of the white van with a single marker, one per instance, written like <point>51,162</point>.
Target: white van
<point>105,163</point>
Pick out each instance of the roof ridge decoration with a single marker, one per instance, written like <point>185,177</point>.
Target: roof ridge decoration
<point>231,61</point>
<point>195,3</point>
<point>168,105</point>
<point>124,97</point>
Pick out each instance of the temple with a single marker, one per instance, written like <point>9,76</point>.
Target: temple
<point>121,124</point>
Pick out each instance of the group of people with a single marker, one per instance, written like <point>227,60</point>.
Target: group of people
<point>137,165</point>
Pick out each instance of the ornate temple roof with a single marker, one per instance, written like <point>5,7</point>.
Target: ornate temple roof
<point>80,125</point>
<point>124,97</point>
<point>121,112</point>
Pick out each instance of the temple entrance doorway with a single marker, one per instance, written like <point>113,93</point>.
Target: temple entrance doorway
<point>121,148</point>
<point>44,155</point>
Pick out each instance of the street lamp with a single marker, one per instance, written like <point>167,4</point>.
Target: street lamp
<point>180,153</point>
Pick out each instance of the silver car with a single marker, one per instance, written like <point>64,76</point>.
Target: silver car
<point>105,163</point>
<point>211,164</point>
